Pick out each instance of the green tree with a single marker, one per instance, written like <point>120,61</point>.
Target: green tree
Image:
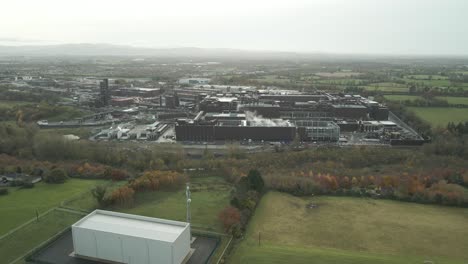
<point>99,192</point>
<point>56,175</point>
<point>255,181</point>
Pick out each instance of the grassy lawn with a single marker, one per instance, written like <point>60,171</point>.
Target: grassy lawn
<point>20,205</point>
<point>209,196</point>
<point>353,230</point>
<point>441,116</point>
<point>25,239</point>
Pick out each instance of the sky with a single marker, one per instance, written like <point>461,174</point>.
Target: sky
<point>429,27</point>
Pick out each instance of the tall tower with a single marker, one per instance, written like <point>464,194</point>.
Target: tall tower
<point>104,92</point>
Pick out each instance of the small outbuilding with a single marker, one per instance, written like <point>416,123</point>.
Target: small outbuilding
<point>124,238</point>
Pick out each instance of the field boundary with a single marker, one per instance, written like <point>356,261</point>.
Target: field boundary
<point>224,250</point>
<point>27,223</point>
<point>41,245</point>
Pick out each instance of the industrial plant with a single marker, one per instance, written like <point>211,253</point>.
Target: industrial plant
<point>196,112</point>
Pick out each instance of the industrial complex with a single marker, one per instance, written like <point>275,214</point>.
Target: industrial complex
<point>196,112</point>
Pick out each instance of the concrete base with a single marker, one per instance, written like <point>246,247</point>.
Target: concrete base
<point>188,256</point>
<point>93,259</point>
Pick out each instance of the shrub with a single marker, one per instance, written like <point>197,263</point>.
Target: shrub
<point>99,193</point>
<point>3,191</point>
<point>229,217</point>
<point>118,175</point>
<point>56,175</point>
<point>122,196</point>
<point>17,183</point>
<point>155,180</point>
<point>28,185</point>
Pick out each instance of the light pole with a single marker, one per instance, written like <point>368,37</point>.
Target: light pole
<point>189,200</point>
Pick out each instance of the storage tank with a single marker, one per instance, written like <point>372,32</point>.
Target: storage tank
<point>125,238</point>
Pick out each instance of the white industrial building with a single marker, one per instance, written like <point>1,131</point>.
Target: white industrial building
<point>125,238</point>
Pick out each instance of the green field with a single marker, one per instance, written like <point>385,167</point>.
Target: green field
<point>208,200</point>
<point>273,79</point>
<point>25,239</point>
<point>426,77</point>
<point>441,116</point>
<point>11,104</point>
<point>352,230</point>
<point>401,97</point>
<point>431,83</point>
<point>454,100</point>
<point>387,87</point>
<point>20,205</point>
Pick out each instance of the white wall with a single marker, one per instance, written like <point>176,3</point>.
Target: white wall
<point>120,248</point>
<point>181,247</point>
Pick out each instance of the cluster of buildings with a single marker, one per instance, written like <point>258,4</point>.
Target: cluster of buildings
<point>132,131</point>
<point>197,111</point>
<point>248,114</point>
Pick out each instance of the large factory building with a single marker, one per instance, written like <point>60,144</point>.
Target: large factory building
<point>232,131</point>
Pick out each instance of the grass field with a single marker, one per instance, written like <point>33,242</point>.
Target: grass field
<point>343,74</point>
<point>20,205</point>
<point>352,230</point>
<point>455,100</point>
<point>25,239</point>
<point>441,116</point>
<point>449,99</point>
<point>401,97</point>
<point>387,87</point>
<point>208,200</point>
<point>11,104</point>
<point>426,77</point>
<point>273,79</point>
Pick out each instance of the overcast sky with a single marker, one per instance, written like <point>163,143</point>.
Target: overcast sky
<point>335,26</point>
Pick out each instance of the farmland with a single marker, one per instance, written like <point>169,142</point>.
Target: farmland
<point>441,116</point>
<point>352,230</point>
<point>455,100</point>
<point>401,97</point>
<point>387,87</point>
<point>450,99</point>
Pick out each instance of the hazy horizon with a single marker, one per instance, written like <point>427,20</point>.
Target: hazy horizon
<point>393,27</point>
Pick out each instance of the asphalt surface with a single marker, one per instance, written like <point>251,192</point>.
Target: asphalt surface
<point>58,252</point>
<point>203,246</point>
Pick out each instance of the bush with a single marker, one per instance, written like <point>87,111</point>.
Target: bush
<point>56,175</point>
<point>3,191</point>
<point>99,193</point>
<point>17,183</point>
<point>122,196</point>
<point>28,185</point>
<point>156,180</point>
<point>230,217</point>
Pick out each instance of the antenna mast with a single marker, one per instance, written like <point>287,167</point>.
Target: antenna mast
<point>189,200</point>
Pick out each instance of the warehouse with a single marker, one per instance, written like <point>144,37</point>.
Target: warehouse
<point>124,238</point>
<point>233,130</point>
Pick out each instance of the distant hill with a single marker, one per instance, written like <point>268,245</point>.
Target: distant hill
<point>120,50</point>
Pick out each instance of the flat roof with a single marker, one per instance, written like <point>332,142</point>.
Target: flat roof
<point>132,225</point>
<point>347,106</point>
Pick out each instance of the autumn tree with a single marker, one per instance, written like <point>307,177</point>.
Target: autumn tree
<point>229,217</point>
